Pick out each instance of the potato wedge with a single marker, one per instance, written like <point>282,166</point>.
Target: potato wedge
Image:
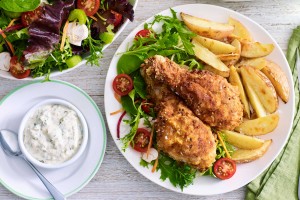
<point>208,57</point>
<point>239,29</point>
<point>278,79</point>
<point>262,86</point>
<point>245,155</point>
<point>236,43</point>
<point>234,79</point>
<point>254,101</point>
<point>257,63</point>
<point>255,49</point>
<point>216,71</point>
<point>206,28</point>
<point>228,57</point>
<point>242,141</point>
<point>259,126</point>
<point>215,46</point>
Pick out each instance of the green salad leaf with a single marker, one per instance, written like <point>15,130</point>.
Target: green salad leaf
<point>179,174</point>
<point>19,5</point>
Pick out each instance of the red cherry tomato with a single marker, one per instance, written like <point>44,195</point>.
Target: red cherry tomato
<point>118,18</point>
<point>28,17</point>
<point>143,33</point>
<point>141,140</point>
<point>90,7</point>
<point>122,84</point>
<point>224,168</point>
<point>17,69</point>
<point>146,106</point>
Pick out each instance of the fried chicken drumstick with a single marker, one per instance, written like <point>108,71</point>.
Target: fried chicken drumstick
<point>180,134</point>
<point>215,101</point>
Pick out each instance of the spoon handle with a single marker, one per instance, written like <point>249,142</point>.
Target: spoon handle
<point>57,195</point>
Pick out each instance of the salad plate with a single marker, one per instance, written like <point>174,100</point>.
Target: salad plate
<point>16,175</point>
<point>8,75</point>
<point>245,173</point>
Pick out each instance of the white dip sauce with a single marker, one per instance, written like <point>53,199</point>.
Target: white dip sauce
<point>53,134</point>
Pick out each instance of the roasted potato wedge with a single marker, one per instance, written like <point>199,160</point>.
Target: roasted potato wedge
<point>208,57</point>
<point>255,49</point>
<point>228,57</point>
<point>215,46</point>
<point>245,155</point>
<point>257,63</point>
<point>259,126</point>
<point>242,141</point>
<point>225,74</point>
<point>262,86</point>
<point>237,44</point>
<point>278,79</point>
<point>254,101</point>
<point>239,29</point>
<point>207,28</point>
<point>234,79</point>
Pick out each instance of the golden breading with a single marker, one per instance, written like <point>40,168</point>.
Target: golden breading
<point>180,134</point>
<point>215,101</point>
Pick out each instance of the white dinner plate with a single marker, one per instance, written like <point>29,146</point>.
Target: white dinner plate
<point>16,175</point>
<point>7,75</point>
<point>245,172</point>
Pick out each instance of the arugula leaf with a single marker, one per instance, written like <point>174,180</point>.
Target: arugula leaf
<point>19,5</point>
<point>173,41</point>
<point>127,139</point>
<point>179,174</point>
<point>128,103</point>
<point>95,47</point>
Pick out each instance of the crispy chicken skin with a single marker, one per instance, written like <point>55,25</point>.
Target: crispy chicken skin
<point>215,101</point>
<point>179,133</point>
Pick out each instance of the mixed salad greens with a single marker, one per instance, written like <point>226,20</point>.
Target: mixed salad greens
<point>173,41</point>
<point>38,37</point>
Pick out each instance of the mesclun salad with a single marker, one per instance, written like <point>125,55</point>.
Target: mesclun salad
<point>173,41</point>
<point>38,37</point>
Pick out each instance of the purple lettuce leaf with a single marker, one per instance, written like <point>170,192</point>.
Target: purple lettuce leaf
<point>44,33</point>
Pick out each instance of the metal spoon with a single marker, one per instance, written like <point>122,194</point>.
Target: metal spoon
<point>10,145</point>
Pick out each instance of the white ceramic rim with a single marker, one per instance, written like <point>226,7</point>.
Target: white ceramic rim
<point>7,75</point>
<point>79,152</point>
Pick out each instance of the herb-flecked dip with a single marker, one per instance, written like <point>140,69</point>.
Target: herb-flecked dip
<point>53,134</point>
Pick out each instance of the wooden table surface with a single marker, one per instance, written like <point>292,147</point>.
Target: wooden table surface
<point>116,178</point>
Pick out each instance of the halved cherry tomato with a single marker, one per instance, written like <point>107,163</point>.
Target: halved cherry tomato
<point>224,168</point>
<point>17,69</point>
<point>122,84</point>
<point>143,33</point>
<point>141,140</point>
<point>90,7</point>
<point>28,17</point>
<point>146,106</point>
<point>118,18</point>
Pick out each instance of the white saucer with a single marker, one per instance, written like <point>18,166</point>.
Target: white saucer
<point>16,176</point>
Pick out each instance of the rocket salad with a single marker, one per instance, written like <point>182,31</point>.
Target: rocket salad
<point>37,37</point>
<point>173,42</point>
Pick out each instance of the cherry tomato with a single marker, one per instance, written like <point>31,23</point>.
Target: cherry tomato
<point>122,84</point>
<point>28,17</point>
<point>118,18</point>
<point>90,7</point>
<point>143,33</point>
<point>146,106</point>
<point>17,69</point>
<point>224,168</point>
<point>141,140</point>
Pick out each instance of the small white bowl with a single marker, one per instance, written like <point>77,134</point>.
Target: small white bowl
<point>75,156</point>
